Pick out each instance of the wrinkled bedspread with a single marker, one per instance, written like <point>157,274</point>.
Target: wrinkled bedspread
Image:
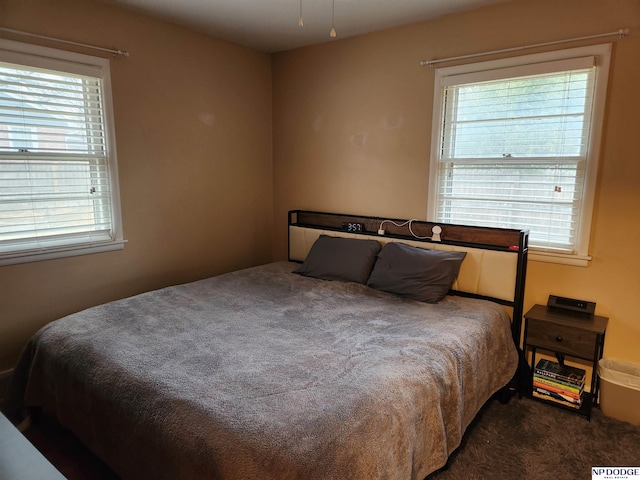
<point>262,373</point>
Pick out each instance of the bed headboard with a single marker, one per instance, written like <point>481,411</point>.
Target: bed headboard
<point>494,267</point>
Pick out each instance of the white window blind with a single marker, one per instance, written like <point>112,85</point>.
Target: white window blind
<point>513,150</point>
<point>56,183</point>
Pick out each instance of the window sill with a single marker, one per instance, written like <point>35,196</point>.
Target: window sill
<point>29,256</point>
<point>564,259</point>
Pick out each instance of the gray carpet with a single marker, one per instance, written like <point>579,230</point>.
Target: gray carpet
<point>527,439</point>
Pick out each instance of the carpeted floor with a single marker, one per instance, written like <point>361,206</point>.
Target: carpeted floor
<point>527,439</point>
<point>524,439</point>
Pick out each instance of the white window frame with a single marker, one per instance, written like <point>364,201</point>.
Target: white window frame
<point>481,70</point>
<point>73,63</point>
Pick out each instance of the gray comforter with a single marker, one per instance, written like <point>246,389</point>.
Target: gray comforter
<point>266,374</point>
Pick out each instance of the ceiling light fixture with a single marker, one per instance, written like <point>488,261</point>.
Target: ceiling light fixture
<point>300,22</point>
<point>332,33</point>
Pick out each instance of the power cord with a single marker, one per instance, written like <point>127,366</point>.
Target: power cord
<point>408,223</point>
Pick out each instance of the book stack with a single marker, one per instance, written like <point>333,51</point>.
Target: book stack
<point>559,383</point>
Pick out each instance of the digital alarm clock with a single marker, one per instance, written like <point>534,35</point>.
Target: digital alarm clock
<point>354,227</point>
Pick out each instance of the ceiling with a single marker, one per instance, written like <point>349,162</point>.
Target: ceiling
<point>272,25</point>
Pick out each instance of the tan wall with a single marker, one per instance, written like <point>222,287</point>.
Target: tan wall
<point>352,130</point>
<point>351,133</point>
<point>193,128</point>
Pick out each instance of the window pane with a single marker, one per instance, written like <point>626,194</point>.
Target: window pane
<point>45,112</point>
<point>52,197</point>
<point>54,177</point>
<point>522,117</point>
<point>513,154</point>
<point>510,195</point>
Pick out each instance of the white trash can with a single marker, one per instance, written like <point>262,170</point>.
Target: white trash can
<point>620,389</point>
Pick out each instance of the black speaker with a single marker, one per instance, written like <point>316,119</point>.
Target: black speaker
<point>571,304</point>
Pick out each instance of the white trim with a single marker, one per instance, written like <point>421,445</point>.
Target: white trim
<point>592,50</point>
<point>593,154</point>
<point>42,57</point>
<point>564,259</point>
<point>530,68</point>
<point>60,252</point>
<point>622,34</point>
<point>79,64</point>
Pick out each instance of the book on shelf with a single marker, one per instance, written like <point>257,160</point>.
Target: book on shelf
<point>559,391</point>
<point>567,387</point>
<point>563,373</point>
<point>546,395</point>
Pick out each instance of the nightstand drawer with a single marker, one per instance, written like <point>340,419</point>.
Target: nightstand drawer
<point>561,338</point>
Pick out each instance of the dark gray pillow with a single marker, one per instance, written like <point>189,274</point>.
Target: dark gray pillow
<point>417,273</point>
<point>335,258</point>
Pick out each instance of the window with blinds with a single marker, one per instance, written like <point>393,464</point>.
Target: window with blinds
<point>515,149</point>
<point>56,160</point>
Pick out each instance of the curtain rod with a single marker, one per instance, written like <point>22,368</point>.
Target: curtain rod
<point>622,33</point>
<point>27,34</point>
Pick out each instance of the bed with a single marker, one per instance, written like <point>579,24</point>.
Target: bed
<point>265,373</point>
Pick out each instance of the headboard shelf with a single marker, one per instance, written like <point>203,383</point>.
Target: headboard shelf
<point>487,237</point>
<point>494,269</point>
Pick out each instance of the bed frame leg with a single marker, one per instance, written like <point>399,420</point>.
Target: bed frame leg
<point>519,382</point>
<point>505,394</point>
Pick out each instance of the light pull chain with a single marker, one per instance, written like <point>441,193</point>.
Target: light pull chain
<point>300,21</point>
<point>333,33</point>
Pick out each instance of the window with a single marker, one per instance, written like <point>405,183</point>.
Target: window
<point>58,174</point>
<point>516,145</point>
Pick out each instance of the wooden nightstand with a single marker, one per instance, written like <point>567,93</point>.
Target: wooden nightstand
<point>565,333</point>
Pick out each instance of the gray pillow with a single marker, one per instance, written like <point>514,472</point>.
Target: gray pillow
<point>417,273</point>
<point>335,258</point>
